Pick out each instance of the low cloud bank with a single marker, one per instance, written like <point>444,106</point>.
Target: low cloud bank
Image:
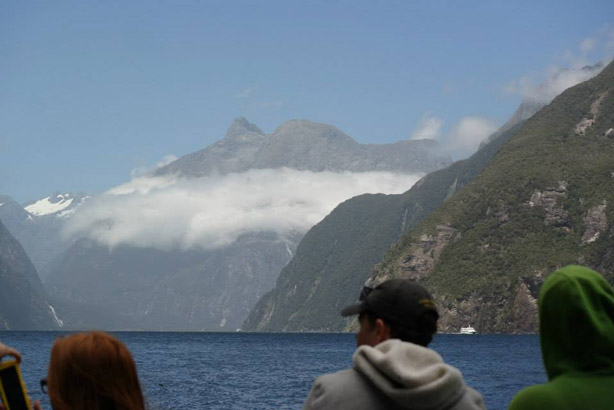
<point>212,212</point>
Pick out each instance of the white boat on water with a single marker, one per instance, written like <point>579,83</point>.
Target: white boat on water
<point>468,331</point>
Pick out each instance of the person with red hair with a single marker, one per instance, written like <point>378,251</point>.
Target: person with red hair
<point>92,371</point>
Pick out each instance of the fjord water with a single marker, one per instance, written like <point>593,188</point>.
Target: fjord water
<point>275,371</point>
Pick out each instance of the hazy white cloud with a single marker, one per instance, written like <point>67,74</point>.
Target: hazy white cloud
<point>596,48</point>
<point>587,45</point>
<point>448,89</point>
<point>429,127</point>
<point>257,102</point>
<point>144,170</point>
<point>212,212</point>
<point>143,185</point>
<point>556,81</point>
<point>246,93</point>
<point>266,105</point>
<point>609,45</point>
<point>465,137</point>
<point>575,67</point>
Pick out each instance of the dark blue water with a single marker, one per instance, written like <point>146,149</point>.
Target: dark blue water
<point>275,371</point>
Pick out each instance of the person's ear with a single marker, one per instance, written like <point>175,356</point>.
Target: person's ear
<point>382,331</point>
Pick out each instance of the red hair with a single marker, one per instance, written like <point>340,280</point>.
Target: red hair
<point>93,371</point>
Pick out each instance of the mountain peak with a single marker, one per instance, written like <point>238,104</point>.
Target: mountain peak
<point>304,129</point>
<point>241,126</point>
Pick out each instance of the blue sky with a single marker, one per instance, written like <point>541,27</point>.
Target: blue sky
<point>92,90</point>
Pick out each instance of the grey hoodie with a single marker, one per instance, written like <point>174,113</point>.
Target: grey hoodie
<point>394,375</point>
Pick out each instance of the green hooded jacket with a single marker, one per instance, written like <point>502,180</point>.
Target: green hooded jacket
<point>576,323</point>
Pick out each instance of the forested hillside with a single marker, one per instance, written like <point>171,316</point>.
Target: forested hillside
<point>544,201</point>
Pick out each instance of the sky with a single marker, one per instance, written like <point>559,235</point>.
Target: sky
<point>92,91</point>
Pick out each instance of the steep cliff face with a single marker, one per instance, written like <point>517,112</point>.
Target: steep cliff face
<point>23,303</point>
<point>149,289</point>
<point>314,286</point>
<point>541,203</point>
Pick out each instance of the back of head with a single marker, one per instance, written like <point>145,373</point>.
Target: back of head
<point>93,371</point>
<point>421,334</point>
<point>404,305</point>
<point>576,320</point>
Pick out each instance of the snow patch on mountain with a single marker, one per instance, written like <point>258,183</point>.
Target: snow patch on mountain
<point>50,205</point>
<point>60,205</point>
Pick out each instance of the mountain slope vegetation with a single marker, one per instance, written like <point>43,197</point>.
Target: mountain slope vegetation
<point>544,201</point>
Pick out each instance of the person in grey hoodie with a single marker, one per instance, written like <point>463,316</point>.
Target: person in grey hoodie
<point>393,368</point>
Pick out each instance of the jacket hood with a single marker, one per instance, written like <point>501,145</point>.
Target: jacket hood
<point>576,322</point>
<point>408,373</point>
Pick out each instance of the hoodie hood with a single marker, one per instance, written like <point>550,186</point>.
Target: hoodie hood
<point>576,322</point>
<point>411,375</point>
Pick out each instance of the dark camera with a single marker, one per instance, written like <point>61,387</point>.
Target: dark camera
<point>12,388</point>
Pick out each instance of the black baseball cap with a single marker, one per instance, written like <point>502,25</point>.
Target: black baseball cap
<point>397,301</point>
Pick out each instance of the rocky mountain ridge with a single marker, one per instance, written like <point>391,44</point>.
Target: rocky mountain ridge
<point>171,290</point>
<point>304,145</point>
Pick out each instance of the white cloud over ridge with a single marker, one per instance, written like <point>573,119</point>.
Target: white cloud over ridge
<point>557,80</point>
<point>429,127</point>
<point>144,170</point>
<point>542,87</point>
<point>462,139</point>
<point>465,137</point>
<point>212,212</point>
<point>247,92</point>
<point>587,45</point>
